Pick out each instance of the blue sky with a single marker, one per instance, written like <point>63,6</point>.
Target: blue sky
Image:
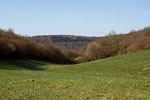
<point>74,17</point>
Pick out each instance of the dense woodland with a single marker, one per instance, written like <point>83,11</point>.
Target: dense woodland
<point>70,42</point>
<point>15,46</point>
<point>118,44</point>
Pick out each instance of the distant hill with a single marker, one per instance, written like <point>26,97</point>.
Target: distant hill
<point>66,41</point>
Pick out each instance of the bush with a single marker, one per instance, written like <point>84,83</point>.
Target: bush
<point>93,51</point>
<point>80,59</point>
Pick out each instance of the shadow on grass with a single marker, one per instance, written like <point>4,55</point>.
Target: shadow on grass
<point>17,64</point>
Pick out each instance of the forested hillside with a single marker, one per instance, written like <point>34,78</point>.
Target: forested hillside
<point>72,49</point>
<point>70,42</point>
<point>118,44</point>
<point>16,46</point>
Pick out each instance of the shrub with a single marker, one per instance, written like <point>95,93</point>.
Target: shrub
<point>93,51</point>
<point>80,59</point>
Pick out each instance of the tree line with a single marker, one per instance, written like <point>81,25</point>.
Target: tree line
<point>117,44</point>
<point>69,42</point>
<point>16,46</point>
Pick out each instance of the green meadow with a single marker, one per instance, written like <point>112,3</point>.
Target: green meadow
<point>124,77</point>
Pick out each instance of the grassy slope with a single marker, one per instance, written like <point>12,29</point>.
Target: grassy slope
<point>123,77</point>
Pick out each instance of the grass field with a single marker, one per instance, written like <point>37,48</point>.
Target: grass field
<point>124,77</point>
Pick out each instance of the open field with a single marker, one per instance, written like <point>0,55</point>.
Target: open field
<point>124,77</point>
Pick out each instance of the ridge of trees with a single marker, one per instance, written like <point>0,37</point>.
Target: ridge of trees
<point>70,42</point>
<point>15,46</point>
<point>118,44</point>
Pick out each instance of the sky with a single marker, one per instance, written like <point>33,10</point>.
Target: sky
<point>74,17</point>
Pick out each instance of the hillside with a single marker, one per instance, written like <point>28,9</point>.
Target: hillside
<point>66,41</point>
<point>117,78</point>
